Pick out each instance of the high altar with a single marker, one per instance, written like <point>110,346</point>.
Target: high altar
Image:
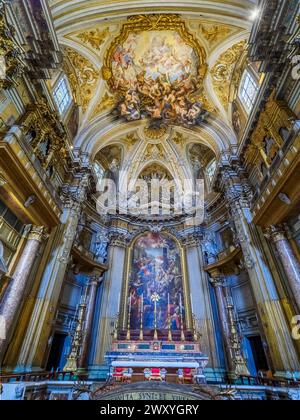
<point>155,337</point>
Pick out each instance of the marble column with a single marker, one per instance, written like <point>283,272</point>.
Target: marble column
<point>291,265</point>
<point>112,292</point>
<point>89,318</point>
<point>201,303</point>
<point>36,344</point>
<point>271,303</point>
<point>218,285</point>
<point>14,294</point>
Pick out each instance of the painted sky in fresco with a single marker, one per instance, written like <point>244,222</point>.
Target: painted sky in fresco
<point>156,269</point>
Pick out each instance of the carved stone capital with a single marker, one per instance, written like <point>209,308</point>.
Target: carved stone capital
<point>118,240</point>
<point>276,233</point>
<point>218,281</point>
<point>37,233</point>
<point>96,278</point>
<point>192,240</point>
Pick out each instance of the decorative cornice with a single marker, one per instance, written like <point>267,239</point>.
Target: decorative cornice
<point>95,37</point>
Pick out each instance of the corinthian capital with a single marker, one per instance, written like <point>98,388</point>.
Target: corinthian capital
<point>218,281</point>
<point>37,233</point>
<point>276,233</point>
<point>120,240</point>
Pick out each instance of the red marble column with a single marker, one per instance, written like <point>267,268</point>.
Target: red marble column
<point>288,259</point>
<point>89,317</point>
<point>14,294</point>
<point>218,284</point>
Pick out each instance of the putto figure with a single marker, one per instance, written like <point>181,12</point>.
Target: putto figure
<point>156,75</point>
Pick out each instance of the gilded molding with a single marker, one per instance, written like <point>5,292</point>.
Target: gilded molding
<point>95,38</point>
<point>266,139</point>
<point>84,77</point>
<point>159,22</point>
<point>155,133</point>
<point>11,63</point>
<point>106,103</point>
<point>214,33</point>
<point>222,72</point>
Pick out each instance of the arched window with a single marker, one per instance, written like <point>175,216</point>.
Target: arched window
<point>62,95</point>
<point>248,90</point>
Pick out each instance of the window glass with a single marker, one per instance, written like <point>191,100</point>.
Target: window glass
<point>99,171</point>
<point>211,169</point>
<point>248,91</point>
<point>62,95</point>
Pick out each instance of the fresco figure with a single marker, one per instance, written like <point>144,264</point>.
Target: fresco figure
<point>155,75</point>
<point>156,268</point>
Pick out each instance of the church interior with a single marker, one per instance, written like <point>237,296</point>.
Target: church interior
<point>149,200</point>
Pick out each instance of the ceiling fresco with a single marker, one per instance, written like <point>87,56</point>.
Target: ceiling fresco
<point>161,68</point>
<point>156,68</point>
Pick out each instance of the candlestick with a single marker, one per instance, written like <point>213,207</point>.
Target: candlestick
<point>155,298</point>
<point>142,320</point>
<point>195,329</point>
<point>170,338</point>
<point>116,328</point>
<point>181,320</point>
<point>119,301</point>
<point>74,318</point>
<point>84,296</point>
<point>192,305</point>
<point>155,322</point>
<point>128,336</point>
<point>77,338</point>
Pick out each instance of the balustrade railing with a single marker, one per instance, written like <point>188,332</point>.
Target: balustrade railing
<point>40,377</point>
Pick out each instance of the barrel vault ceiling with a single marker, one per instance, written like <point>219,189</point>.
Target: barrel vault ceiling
<point>87,28</point>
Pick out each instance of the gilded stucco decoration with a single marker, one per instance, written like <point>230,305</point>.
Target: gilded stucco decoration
<point>215,33</point>
<point>11,55</point>
<point>155,133</point>
<point>131,139</point>
<point>83,79</point>
<point>207,104</point>
<point>46,136</point>
<point>179,140</point>
<point>106,103</point>
<point>156,68</point>
<point>223,70</point>
<point>154,152</point>
<point>268,137</point>
<point>95,37</point>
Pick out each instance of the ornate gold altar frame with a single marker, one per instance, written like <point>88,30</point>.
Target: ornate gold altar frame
<point>158,22</point>
<point>187,302</point>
